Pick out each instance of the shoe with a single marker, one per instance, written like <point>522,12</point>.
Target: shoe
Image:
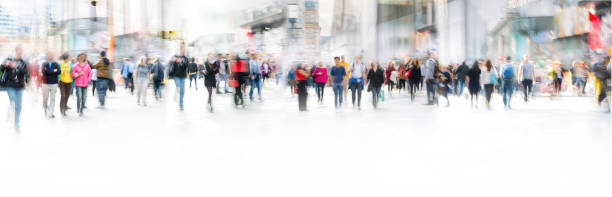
<point>144,104</point>
<point>81,114</point>
<point>52,116</point>
<point>100,107</point>
<point>181,108</point>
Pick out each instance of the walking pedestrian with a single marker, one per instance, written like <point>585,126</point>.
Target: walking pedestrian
<point>127,71</point>
<point>429,72</point>
<point>211,68</point>
<point>16,75</point>
<point>345,84</point>
<point>255,76</point>
<point>376,78</point>
<point>527,77</point>
<point>445,78</point>
<point>390,83</point>
<point>157,76</point>
<point>472,77</point>
<point>50,71</point>
<point>65,82</point>
<point>301,75</point>
<point>240,74</point>
<point>103,78</point>
<point>193,73</point>
<point>581,74</point>
<point>508,76</point>
<point>415,77</point>
<point>141,81</point>
<point>461,73</point>
<point>223,63</point>
<point>178,72</point>
<point>557,75</point>
<point>321,77</point>
<point>338,73</point>
<point>81,74</point>
<point>357,70</point>
<point>489,79</point>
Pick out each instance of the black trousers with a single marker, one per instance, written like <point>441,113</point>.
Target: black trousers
<point>488,91</point>
<point>302,94</point>
<point>527,88</point>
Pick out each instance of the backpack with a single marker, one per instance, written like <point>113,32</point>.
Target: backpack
<point>508,71</point>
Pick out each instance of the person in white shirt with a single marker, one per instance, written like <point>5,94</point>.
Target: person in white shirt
<point>357,70</point>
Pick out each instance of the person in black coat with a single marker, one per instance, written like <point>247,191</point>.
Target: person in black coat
<point>211,68</point>
<point>50,71</point>
<point>376,78</point>
<point>415,78</point>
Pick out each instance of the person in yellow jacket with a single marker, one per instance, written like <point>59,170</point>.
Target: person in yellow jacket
<point>65,83</point>
<point>348,73</point>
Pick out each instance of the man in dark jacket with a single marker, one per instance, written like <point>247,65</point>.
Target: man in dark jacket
<point>157,75</point>
<point>50,71</point>
<point>193,73</point>
<point>211,68</point>
<point>15,76</point>
<point>178,72</point>
<point>461,73</point>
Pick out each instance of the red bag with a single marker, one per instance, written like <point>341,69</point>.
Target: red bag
<point>407,74</point>
<point>233,83</point>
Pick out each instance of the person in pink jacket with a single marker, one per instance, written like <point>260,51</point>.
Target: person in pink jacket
<point>320,78</point>
<point>81,74</point>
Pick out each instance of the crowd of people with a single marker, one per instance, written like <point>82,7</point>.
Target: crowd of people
<point>229,73</point>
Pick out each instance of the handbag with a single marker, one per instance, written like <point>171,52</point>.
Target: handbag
<point>3,78</point>
<point>233,83</point>
<point>493,78</point>
<point>407,74</point>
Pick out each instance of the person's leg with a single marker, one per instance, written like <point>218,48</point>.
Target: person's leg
<point>17,101</point>
<point>181,91</point>
<point>45,98</point>
<point>62,90</point>
<point>103,86</point>
<point>530,88</point>
<point>322,91</point>
<point>209,89</point>
<point>79,96</point>
<point>353,88</point>
<point>251,90</point>
<point>93,87</point>
<point>258,83</point>
<point>359,91</point>
<point>51,106</point>
<point>335,88</point>
<point>524,82</point>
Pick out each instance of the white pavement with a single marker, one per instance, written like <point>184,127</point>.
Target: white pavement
<point>557,148</point>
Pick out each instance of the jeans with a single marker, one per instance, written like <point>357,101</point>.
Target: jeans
<point>460,86</point>
<point>431,91</point>
<point>129,83</point>
<point>375,95</point>
<point>507,91</point>
<point>356,88</point>
<point>320,87</point>
<point>255,83</point>
<point>338,91</point>
<point>527,88</point>
<point>48,93</point>
<point>15,95</point>
<point>580,84</point>
<point>180,86</point>
<point>222,78</point>
<point>65,89</point>
<point>81,94</point>
<point>102,86</point>
<point>193,77</point>
<point>157,88</point>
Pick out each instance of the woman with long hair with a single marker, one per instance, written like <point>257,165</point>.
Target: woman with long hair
<point>473,79</point>
<point>488,78</point>
<point>142,75</point>
<point>211,68</point>
<point>376,77</point>
<point>414,78</point>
